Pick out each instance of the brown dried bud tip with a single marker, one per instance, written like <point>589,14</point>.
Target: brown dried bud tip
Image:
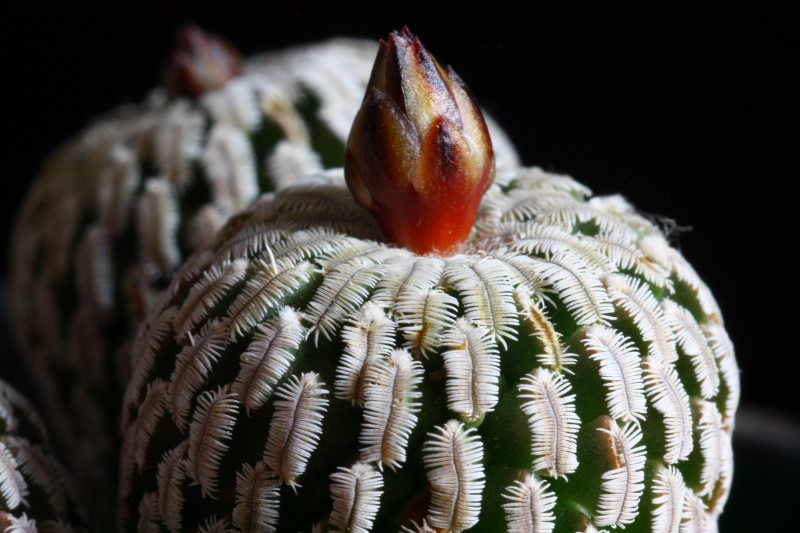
<point>419,156</point>
<point>199,63</point>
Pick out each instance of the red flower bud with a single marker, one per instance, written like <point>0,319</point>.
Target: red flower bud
<point>199,63</point>
<point>419,156</point>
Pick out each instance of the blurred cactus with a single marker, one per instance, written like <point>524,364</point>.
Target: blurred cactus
<point>562,369</point>
<point>116,209</point>
<point>36,493</point>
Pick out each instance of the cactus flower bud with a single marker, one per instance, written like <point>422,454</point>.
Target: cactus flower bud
<point>419,156</point>
<point>200,62</point>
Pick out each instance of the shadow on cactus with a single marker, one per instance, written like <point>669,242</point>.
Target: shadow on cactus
<point>554,366</point>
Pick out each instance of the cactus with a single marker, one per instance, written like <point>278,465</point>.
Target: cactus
<point>116,209</point>
<point>36,492</point>
<point>559,367</point>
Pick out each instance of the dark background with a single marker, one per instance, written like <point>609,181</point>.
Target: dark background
<point>689,112</point>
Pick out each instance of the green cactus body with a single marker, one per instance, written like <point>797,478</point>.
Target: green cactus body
<point>566,371</point>
<point>36,493</point>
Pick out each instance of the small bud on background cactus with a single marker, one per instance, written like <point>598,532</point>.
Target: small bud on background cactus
<point>119,207</point>
<point>419,156</point>
<point>566,370</point>
<point>200,63</point>
<point>36,493</point>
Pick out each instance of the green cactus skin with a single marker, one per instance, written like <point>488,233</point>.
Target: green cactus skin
<point>36,492</point>
<point>566,371</point>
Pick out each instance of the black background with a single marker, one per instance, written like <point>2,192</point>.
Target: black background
<point>689,112</point>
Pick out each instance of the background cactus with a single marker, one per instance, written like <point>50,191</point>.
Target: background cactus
<point>117,208</point>
<point>36,492</point>
<point>564,369</point>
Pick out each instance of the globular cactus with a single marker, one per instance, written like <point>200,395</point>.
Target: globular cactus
<point>36,492</point>
<point>562,368</point>
<point>116,209</point>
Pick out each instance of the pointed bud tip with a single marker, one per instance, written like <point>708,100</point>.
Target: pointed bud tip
<point>419,156</point>
<point>404,33</point>
<point>199,63</point>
